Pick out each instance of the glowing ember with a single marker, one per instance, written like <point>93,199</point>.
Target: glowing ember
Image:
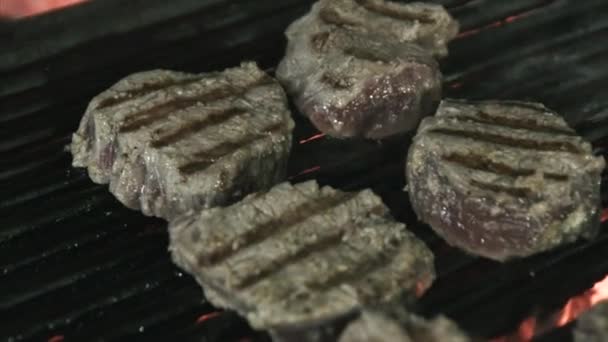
<point>575,307</point>
<point>579,304</point>
<point>307,171</point>
<point>456,85</point>
<point>604,215</point>
<point>495,24</point>
<point>527,329</point>
<point>56,338</point>
<point>206,317</point>
<point>314,137</point>
<point>26,8</point>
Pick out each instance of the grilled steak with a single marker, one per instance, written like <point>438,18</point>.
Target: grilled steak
<point>592,326</point>
<point>299,255</point>
<point>397,325</point>
<point>356,68</point>
<point>168,141</point>
<point>503,179</point>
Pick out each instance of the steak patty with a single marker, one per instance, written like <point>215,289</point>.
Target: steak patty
<point>168,142</point>
<point>503,179</point>
<point>365,68</point>
<point>300,255</point>
<point>395,324</point>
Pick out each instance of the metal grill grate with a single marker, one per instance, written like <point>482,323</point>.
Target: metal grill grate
<point>75,263</point>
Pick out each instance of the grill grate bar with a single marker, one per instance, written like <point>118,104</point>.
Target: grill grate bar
<point>117,264</point>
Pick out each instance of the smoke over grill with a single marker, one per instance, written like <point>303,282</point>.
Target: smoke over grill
<point>76,265</point>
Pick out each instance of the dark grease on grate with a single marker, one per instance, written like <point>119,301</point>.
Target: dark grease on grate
<point>75,263</point>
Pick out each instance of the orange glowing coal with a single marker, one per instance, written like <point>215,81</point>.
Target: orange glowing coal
<point>579,304</point>
<point>26,8</point>
<point>575,307</point>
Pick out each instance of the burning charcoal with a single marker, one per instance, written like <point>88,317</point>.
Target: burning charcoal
<point>300,256</point>
<point>503,179</point>
<point>396,325</point>
<point>356,68</point>
<point>592,326</point>
<point>168,141</point>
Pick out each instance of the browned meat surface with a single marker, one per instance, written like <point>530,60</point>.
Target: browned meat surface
<point>168,142</point>
<point>398,325</point>
<point>360,68</point>
<point>503,179</point>
<point>300,256</point>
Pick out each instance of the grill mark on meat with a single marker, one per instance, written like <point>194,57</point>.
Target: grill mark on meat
<point>279,264</point>
<point>523,143</point>
<point>366,54</point>
<point>517,123</point>
<point>214,118</point>
<point>335,81</point>
<point>513,191</point>
<point>145,89</point>
<point>481,163</point>
<point>148,116</point>
<point>319,41</point>
<point>398,14</point>
<point>207,158</point>
<point>556,176</point>
<point>363,266</point>
<point>266,230</point>
<point>333,17</point>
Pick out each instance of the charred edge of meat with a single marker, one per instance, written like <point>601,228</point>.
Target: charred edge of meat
<point>213,118</point>
<point>275,266</point>
<point>264,230</point>
<point>209,157</point>
<point>513,191</point>
<point>319,41</point>
<point>481,163</point>
<point>557,146</point>
<point>336,81</point>
<point>394,13</point>
<point>145,89</point>
<point>148,116</point>
<point>332,17</point>
<point>517,123</point>
<point>365,54</point>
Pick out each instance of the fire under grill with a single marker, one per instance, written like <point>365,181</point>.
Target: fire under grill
<point>76,265</point>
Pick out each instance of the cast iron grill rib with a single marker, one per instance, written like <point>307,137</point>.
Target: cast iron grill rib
<point>74,262</point>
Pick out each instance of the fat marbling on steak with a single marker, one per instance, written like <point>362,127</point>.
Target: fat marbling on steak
<point>300,255</point>
<point>395,324</point>
<point>365,68</point>
<point>503,179</point>
<point>168,141</point>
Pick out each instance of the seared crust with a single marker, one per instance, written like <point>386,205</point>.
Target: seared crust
<point>168,142</point>
<point>503,179</point>
<point>366,68</point>
<point>300,255</point>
